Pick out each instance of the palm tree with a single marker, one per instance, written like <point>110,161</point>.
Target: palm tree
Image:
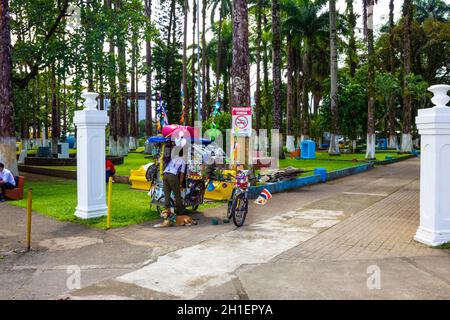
<point>436,9</point>
<point>7,136</point>
<point>352,57</point>
<point>290,138</point>
<point>56,128</point>
<point>407,107</point>
<point>312,26</point>
<point>259,9</point>
<point>184,70</point>
<point>276,70</point>
<point>122,116</point>
<point>224,10</point>
<point>308,26</point>
<point>193,73</point>
<point>393,143</point>
<point>240,67</point>
<point>205,101</point>
<point>111,75</point>
<point>371,137</point>
<point>334,146</point>
<point>148,88</point>
<point>289,24</point>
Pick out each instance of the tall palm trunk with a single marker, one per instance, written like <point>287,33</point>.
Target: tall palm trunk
<point>219,52</point>
<point>137,106</point>
<point>65,107</point>
<point>407,144</point>
<point>7,135</point>
<point>134,103</point>
<point>123,132</point>
<point>393,143</point>
<point>334,146</point>
<point>148,87</point>
<point>265,64</point>
<point>205,101</point>
<point>240,66</point>
<point>290,138</point>
<point>193,104</point>
<point>351,53</point>
<point>111,75</point>
<point>208,87</point>
<point>55,112</point>
<point>184,67</point>
<point>364,16</point>
<point>258,66</point>
<point>305,90</point>
<point>299,85</point>
<point>370,153</point>
<point>276,73</point>
<point>132,118</point>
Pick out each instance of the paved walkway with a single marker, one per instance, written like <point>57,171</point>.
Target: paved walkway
<point>322,241</point>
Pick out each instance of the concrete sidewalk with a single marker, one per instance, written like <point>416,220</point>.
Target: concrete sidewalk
<point>315,242</point>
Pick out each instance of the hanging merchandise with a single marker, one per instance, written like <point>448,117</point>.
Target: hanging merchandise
<point>234,154</point>
<point>184,107</point>
<point>215,113</point>
<point>161,115</point>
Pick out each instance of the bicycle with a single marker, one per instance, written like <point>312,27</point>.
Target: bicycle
<point>238,203</point>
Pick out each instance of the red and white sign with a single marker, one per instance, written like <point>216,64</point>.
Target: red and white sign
<point>242,120</point>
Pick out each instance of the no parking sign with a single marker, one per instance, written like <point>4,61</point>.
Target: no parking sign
<point>242,120</point>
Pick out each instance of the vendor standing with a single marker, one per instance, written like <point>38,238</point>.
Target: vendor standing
<point>172,181</point>
<point>7,181</point>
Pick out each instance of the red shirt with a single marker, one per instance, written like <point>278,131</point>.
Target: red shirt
<point>110,166</point>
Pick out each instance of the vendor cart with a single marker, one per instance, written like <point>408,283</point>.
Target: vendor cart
<point>194,184</point>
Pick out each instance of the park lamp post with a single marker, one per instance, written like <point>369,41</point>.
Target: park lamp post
<point>91,173</point>
<point>434,127</point>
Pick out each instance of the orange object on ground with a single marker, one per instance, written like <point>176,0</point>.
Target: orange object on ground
<point>17,192</point>
<point>295,154</point>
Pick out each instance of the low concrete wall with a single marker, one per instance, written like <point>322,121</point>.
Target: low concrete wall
<point>282,186</point>
<point>384,162</point>
<point>49,172</point>
<point>39,161</point>
<point>348,171</point>
<point>66,174</point>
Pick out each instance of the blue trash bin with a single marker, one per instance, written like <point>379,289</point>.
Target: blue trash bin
<point>71,141</point>
<point>322,172</point>
<point>308,149</point>
<point>382,144</point>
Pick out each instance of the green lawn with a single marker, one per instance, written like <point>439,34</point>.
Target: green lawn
<point>444,246</point>
<point>313,164</point>
<point>380,155</point>
<point>132,161</point>
<point>34,151</point>
<point>56,198</point>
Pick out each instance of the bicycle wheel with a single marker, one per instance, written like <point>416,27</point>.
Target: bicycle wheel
<point>230,204</point>
<point>239,209</point>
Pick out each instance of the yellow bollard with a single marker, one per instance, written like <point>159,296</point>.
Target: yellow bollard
<point>108,218</point>
<point>29,209</point>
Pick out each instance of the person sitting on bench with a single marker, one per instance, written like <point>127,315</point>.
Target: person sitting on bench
<point>7,181</point>
<point>110,169</point>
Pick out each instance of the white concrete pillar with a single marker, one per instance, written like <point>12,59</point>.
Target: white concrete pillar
<point>434,128</point>
<point>91,175</point>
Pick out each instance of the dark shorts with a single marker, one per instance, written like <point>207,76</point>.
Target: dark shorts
<point>6,186</point>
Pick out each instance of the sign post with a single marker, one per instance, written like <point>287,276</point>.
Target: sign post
<point>242,125</point>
